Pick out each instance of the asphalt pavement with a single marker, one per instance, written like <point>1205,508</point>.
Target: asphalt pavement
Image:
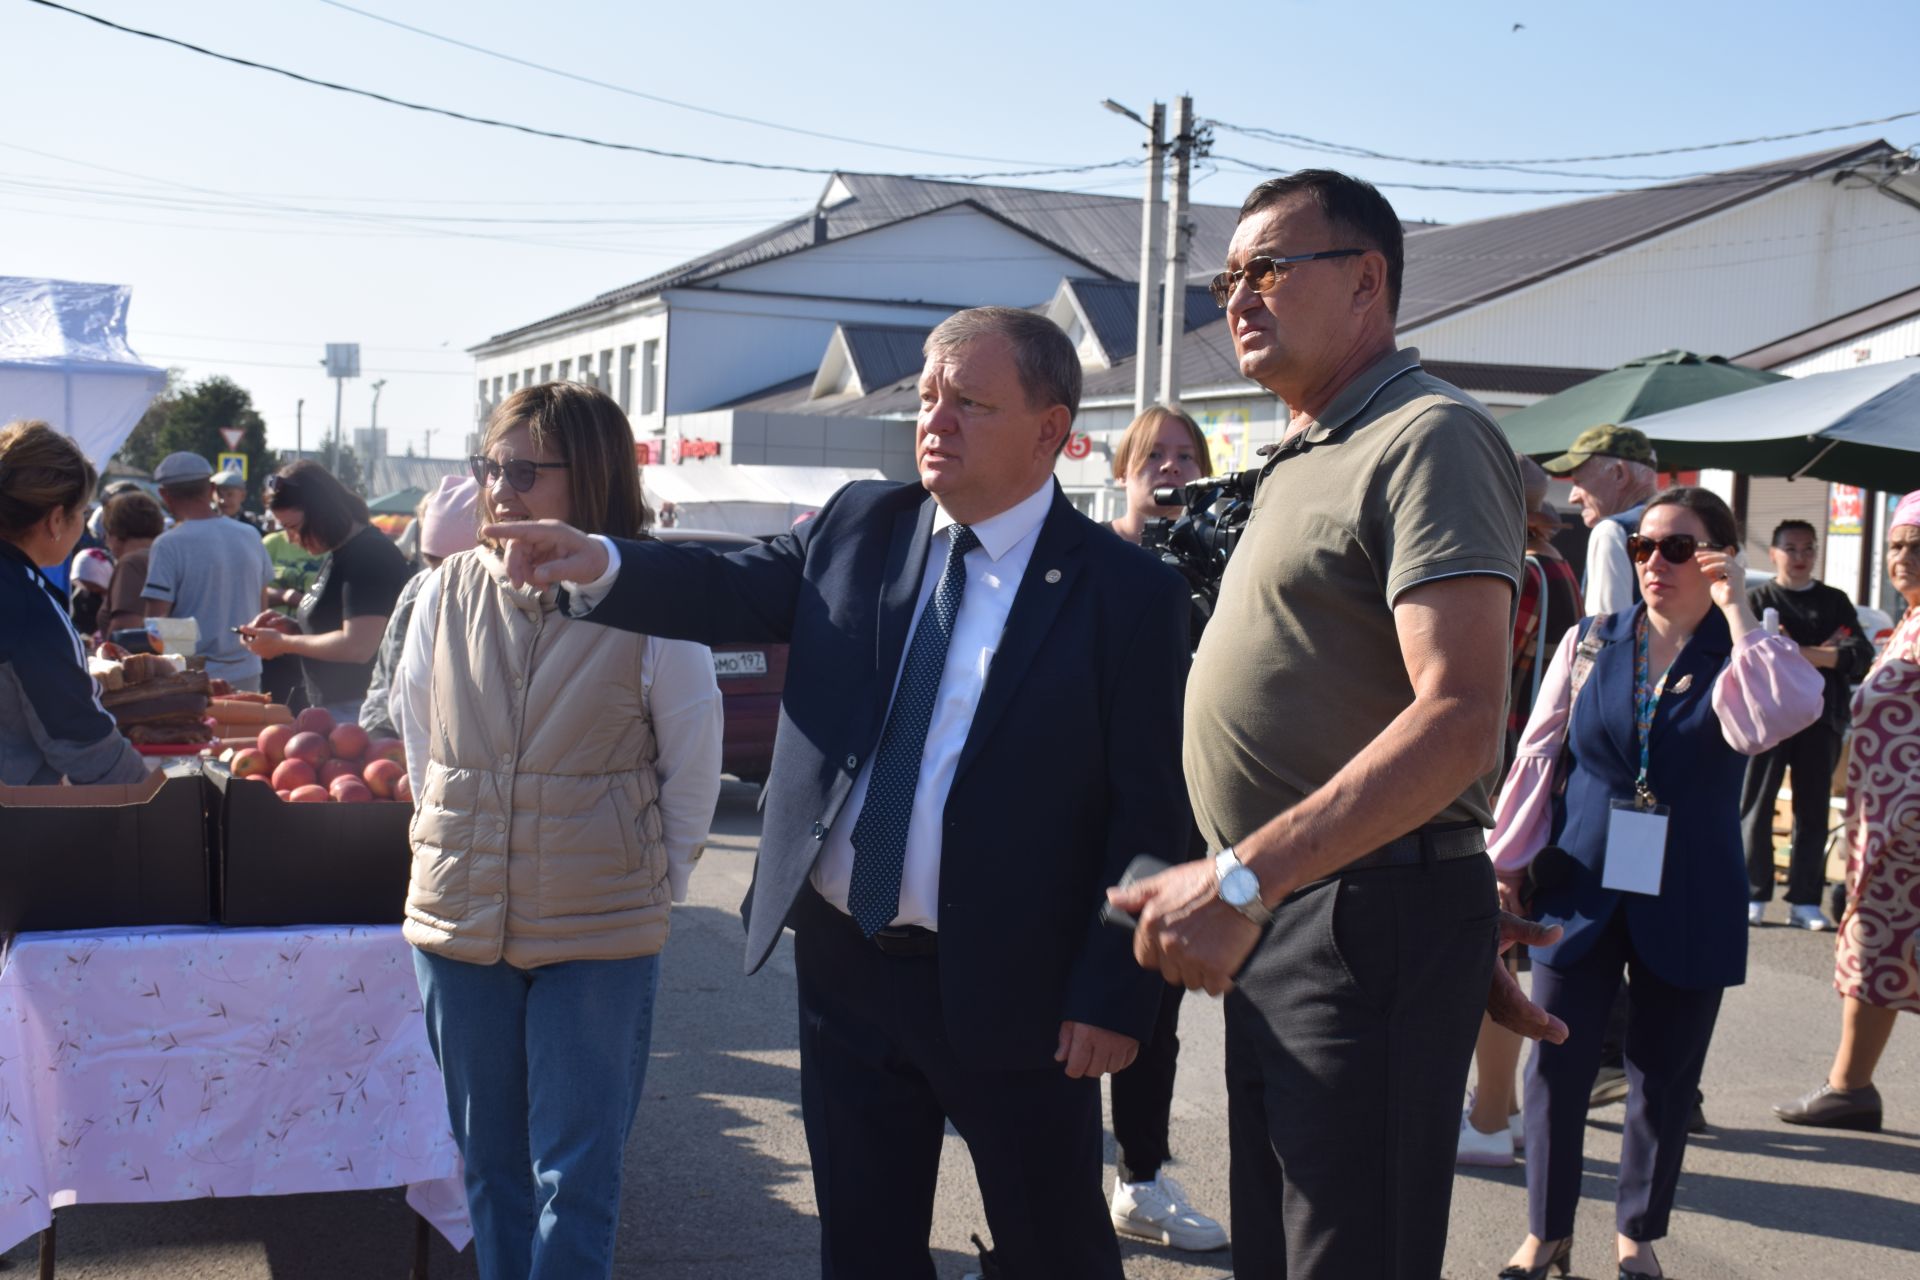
<point>717,1184</point>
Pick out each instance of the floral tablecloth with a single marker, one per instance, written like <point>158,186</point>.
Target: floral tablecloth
<point>177,1063</point>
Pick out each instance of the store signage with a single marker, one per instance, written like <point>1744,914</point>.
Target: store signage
<point>696,449</point>
<point>1846,508</point>
<point>646,453</point>
<point>1079,445</point>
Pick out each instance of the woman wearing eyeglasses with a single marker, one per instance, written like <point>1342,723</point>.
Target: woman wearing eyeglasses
<point>1630,769</point>
<point>337,629</point>
<point>565,775</point>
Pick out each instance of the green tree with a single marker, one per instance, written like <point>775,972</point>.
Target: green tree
<point>188,418</point>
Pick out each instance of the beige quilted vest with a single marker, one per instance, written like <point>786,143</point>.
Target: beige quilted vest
<point>536,833</point>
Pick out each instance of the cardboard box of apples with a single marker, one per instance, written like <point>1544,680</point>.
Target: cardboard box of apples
<point>308,829</point>
<point>315,761</point>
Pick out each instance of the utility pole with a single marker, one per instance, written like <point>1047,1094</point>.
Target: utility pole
<point>1146,346</point>
<point>1173,300</point>
<point>299,414</point>
<point>373,428</point>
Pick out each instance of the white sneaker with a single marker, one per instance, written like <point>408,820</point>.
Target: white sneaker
<point>1158,1211</point>
<point>1489,1150</point>
<point>1808,916</point>
<point>1757,913</point>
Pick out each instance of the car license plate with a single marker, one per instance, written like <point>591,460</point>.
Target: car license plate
<point>751,662</point>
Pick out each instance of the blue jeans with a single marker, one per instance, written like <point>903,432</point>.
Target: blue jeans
<point>544,1069</point>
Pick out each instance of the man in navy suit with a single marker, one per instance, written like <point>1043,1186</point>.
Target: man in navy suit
<point>980,730</point>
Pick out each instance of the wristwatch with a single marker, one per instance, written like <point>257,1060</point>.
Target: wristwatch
<point>1239,887</point>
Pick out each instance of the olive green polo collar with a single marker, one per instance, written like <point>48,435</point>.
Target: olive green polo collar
<point>1354,398</point>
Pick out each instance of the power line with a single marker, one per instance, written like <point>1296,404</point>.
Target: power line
<point>1731,180</point>
<point>534,131</point>
<point>668,102</point>
<point>311,366</point>
<point>1348,149</point>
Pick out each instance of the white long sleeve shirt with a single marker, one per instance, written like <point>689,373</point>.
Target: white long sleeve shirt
<point>682,697</point>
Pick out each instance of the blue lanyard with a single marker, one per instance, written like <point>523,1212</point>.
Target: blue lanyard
<point>1646,704</point>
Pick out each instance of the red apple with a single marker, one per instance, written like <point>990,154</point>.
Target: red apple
<point>273,740</point>
<point>311,747</point>
<point>387,749</point>
<point>350,790</point>
<point>315,720</point>
<point>309,795</point>
<point>382,776</point>
<point>335,769</point>
<point>403,789</point>
<point>284,795</point>
<point>349,741</point>
<point>291,775</point>
<point>250,762</point>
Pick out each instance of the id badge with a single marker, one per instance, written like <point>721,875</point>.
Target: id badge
<point>1636,848</point>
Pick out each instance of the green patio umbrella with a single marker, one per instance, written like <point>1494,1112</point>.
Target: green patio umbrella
<point>400,502</point>
<point>1651,384</point>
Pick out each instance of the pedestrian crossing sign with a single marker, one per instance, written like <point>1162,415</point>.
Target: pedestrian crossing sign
<point>233,462</point>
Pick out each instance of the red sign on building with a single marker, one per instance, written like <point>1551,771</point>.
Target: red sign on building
<point>686,449</point>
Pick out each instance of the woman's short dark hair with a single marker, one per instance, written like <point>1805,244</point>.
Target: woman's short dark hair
<point>1722,529</point>
<point>132,514</point>
<point>41,471</point>
<point>1352,207</point>
<point>586,428</point>
<point>328,509</point>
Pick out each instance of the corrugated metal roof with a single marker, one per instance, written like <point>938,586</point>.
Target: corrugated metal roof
<point>1454,267</point>
<point>1112,308</point>
<point>884,353</point>
<point>1101,231</point>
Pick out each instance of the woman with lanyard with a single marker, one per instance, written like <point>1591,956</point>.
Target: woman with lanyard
<point>52,725</point>
<point>1620,822</point>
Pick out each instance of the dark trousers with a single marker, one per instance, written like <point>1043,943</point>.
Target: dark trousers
<point>878,1084</point>
<point>1811,754</point>
<point>1143,1096</point>
<point>1349,1034</point>
<point>1668,1030</point>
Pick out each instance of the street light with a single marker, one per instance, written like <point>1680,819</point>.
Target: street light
<point>1146,352</point>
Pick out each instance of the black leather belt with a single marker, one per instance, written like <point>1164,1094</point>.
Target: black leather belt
<point>906,940</point>
<point>1428,844</point>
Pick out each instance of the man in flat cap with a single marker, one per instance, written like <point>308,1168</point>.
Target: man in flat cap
<point>1612,469</point>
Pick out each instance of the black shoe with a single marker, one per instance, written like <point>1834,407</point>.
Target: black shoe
<point>1697,1121</point>
<point>1561,1260</point>
<point>1831,1108</point>
<point>1609,1087</point>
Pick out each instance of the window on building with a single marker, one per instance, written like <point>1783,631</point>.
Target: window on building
<point>483,397</point>
<point>566,370</point>
<point>605,381</point>
<point>626,379</point>
<point>513,382</point>
<point>650,376</point>
<point>496,390</point>
<point>526,379</point>
<point>546,373</point>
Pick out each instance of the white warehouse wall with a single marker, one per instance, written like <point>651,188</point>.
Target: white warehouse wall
<point>1729,283</point>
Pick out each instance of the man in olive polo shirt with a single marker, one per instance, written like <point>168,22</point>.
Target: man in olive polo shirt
<point>1343,731</point>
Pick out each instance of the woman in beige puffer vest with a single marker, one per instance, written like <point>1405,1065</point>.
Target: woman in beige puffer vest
<point>564,777</point>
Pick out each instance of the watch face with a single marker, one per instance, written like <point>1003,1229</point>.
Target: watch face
<point>1239,887</point>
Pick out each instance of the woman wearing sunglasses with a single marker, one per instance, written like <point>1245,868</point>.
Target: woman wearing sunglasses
<point>337,629</point>
<point>1630,769</point>
<point>564,775</point>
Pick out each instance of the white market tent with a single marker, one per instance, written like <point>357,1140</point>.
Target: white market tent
<point>64,359</point>
<point>757,500</point>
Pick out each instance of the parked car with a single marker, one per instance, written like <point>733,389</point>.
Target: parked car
<point>751,677</point>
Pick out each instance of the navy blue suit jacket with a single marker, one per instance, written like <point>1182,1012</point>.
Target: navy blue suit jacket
<point>1693,933</point>
<point>1070,769</point>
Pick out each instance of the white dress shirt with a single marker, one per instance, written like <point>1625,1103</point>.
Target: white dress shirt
<point>994,570</point>
<point>676,677</point>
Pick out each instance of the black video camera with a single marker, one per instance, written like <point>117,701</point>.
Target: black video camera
<point>1199,541</point>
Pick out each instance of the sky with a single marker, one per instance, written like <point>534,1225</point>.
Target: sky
<point>257,219</point>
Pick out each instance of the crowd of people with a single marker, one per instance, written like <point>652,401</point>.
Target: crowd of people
<point>993,706</point>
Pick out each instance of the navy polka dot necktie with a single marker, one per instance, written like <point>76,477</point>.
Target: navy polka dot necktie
<point>880,834</point>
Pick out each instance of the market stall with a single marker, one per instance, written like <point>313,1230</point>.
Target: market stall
<point>64,359</point>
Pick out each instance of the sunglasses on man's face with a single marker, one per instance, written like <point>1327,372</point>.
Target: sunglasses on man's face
<point>521,473</point>
<point>1675,549</point>
<point>1263,271</point>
